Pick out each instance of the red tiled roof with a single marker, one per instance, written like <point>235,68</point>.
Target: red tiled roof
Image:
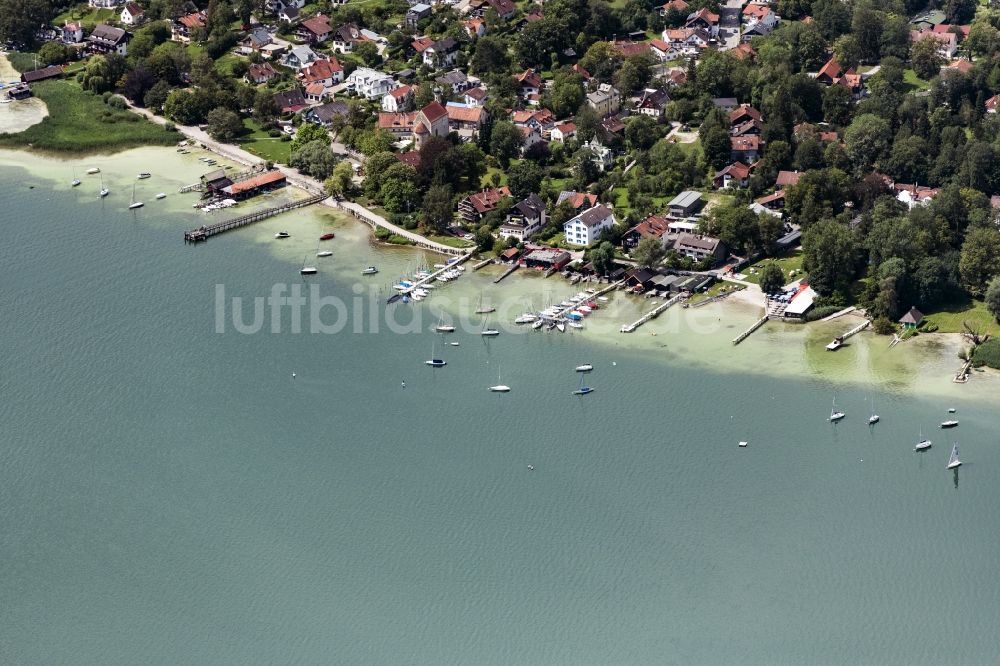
<point>487,200</point>
<point>257,181</point>
<point>321,69</point>
<point>433,111</point>
<point>786,178</point>
<point>421,44</point>
<point>195,20</point>
<point>318,25</point>
<point>465,114</point>
<point>387,120</point>
<point>830,69</point>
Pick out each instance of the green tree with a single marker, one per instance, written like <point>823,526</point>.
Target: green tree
<point>772,278</point>
<point>438,210</point>
<point>828,255</point>
<point>314,159</point>
<point>524,178</point>
<point>867,139</point>
<point>489,56</point>
<point>340,182</point>
<point>370,143</point>
<point>307,133</point>
<point>642,132</point>
<point>992,298</point>
<point>649,252</point>
<point>19,19</point>
<point>53,53</point>
<point>265,110</point>
<point>566,94</point>
<point>223,124</point>
<point>484,238</point>
<point>603,257</point>
<point>959,12</point>
<point>505,141</point>
<point>980,259</point>
<point>368,53</point>
<point>837,105</point>
<point>925,59</point>
<point>714,136</point>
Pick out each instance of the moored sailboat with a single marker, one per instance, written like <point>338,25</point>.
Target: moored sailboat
<point>836,414</point>
<point>953,460</point>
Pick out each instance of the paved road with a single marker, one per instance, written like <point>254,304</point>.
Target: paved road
<point>729,24</point>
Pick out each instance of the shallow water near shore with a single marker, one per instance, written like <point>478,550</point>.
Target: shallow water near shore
<point>18,116</point>
<point>173,495</point>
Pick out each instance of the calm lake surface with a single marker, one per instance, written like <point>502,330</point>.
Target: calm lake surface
<point>172,495</point>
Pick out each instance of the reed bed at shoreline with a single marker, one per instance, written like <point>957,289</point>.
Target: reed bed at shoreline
<point>80,122</point>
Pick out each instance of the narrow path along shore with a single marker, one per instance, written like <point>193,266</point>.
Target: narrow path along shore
<point>302,181</point>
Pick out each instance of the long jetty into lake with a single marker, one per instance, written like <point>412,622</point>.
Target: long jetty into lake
<point>857,329</point>
<point>746,334</point>
<point>204,232</point>
<point>376,221</point>
<point>652,314</point>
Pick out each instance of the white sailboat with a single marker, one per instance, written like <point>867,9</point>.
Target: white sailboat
<point>923,443</point>
<point>953,460</point>
<point>104,190</point>
<point>134,204</point>
<point>480,309</point>
<point>836,414</point>
<point>307,270</point>
<point>582,390</point>
<point>434,361</point>
<point>874,418</point>
<point>76,181</point>
<point>443,328</point>
<point>586,367</point>
<point>500,388</point>
<point>488,332</point>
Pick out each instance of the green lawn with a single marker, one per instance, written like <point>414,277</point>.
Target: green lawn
<point>80,122</point>
<point>789,262</point>
<point>451,241</point>
<point>264,146</point>
<point>693,147</point>
<point>486,180</point>
<point>87,15</point>
<point>915,82</point>
<point>224,65</point>
<point>951,318</point>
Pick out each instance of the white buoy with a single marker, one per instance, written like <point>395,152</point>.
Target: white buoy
<point>531,467</point>
<point>293,375</point>
<point>403,384</point>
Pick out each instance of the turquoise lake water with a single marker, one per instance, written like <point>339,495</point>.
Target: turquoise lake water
<point>170,495</point>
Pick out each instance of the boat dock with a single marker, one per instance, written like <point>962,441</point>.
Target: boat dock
<point>452,263</point>
<point>611,287</point>
<point>857,329</point>
<point>746,334</point>
<point>234,177</point>
<point>482,264</point>
<point>204,232</point>
<point>507,272</point>
<point>652,314</point>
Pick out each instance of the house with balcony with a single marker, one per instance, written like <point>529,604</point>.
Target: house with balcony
<point>370,83</point>
<point>400,99</point>
<point>184,26</point>
<point>105,39</point>
<point>475,206</point>
<point>585,228</point>
<point>606,100</point>
<point>315,30</point>
<point>525,219</point>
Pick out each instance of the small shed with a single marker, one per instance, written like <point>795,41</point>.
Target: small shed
<point>911,320</point>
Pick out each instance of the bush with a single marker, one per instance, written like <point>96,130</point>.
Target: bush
<point>987,354</point>
<point>285,137</point>
<point>116,102</point>
<point>883,326</point>
<point>275,133</point>
<point>818,313</point>
<point>170,127</point>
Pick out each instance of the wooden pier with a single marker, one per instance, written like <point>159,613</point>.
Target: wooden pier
<point>452,263</point>
<point>611,287</point>
<point>482,264</point>
<point>746,334</point>
<point>843,312</point>
<point>204,232</point>
<point>652,314</point>
<point>507,272</point>
<point>857,329</point>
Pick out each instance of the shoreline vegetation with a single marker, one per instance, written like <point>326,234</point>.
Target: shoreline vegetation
<point>81,123</point>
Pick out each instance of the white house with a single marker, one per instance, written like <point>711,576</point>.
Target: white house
<point>131,14</point>
<point>525,219</point>
<point>370,83</point>
<point>603,156</point>
<point>588,225</point>
<point>400,99</point>
<point>299,57</point>
<point>563,132</point>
